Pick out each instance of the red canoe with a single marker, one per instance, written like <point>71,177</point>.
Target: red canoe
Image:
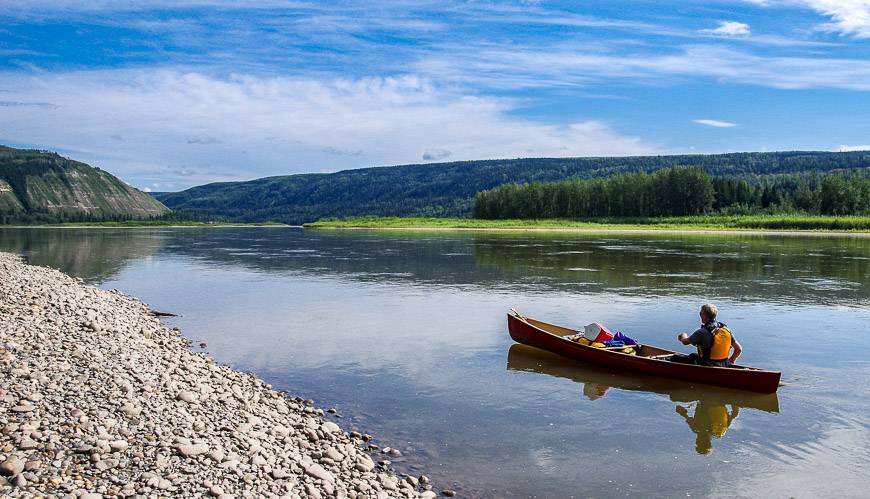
<point>649,359</point>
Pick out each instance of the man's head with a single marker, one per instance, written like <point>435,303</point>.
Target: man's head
<point>708,312</point>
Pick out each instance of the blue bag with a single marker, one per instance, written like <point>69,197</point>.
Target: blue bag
<point>627,340</point>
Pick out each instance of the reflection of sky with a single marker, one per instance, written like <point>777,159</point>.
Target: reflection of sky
<point>411,345</point>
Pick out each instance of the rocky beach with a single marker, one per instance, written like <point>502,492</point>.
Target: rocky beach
<point>99,399</point>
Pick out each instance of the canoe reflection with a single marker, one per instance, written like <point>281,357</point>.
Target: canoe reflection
<point>712,409</point>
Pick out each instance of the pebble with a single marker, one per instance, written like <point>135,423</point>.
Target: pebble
<point>186,396</point>
<point>191,450</point>
<point>330,427</point>
<point>364,463</point>
<point>279,474</point>
<point>317,471</point>
<point>118,445</point>
<point>11,466</point>
<point>312,491</point>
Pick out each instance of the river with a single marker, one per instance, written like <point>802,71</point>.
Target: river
<point>404,333</point>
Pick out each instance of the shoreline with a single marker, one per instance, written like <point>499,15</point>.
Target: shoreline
<point>585,230</point>
<point>99,398</point>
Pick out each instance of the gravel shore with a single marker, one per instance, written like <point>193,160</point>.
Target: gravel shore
<point>99,399</point>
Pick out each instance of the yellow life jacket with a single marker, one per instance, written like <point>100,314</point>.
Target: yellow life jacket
<point>721,347</point>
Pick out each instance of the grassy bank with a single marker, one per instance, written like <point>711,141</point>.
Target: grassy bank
<point>702,222</point>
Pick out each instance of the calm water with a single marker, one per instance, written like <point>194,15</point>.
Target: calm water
<point>405,334</point>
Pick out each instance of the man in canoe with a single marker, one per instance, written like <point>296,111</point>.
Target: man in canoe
<point>713,339</point>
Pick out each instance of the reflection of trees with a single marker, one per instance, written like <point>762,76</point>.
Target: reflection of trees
<point>781,268</point>
<point>711,417</point>
<point>389,257</point>
<point>799,269</point>
<point>92,254</point>
<point>784,268</point>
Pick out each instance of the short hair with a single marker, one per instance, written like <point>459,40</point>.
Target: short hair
<point>710,311</point>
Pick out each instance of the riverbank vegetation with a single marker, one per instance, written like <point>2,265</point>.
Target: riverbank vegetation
<point>677,192</point>
<point>159,223</point>
<point>44,218</point>
<point>698,222</point>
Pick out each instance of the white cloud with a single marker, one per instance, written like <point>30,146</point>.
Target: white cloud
<point>846,148</point>
<point>571,66</point>
<point>246,126</point>
<point>715,123</point>
<point>729,28</point>
<point>849,17</point>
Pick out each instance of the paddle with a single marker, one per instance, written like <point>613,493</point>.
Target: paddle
<point>518,314</point>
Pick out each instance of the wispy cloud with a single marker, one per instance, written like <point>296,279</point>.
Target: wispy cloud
<point>572,65</point>
<point>437,155</point>
<point>204,140</point>
<point>847,148</point>
<point>715,123</point>
<point>729,28</point>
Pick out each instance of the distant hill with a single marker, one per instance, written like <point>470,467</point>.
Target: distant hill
<point>39,186</point>
<point>447,189</point>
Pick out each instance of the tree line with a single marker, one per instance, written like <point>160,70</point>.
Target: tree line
<point>678,191</point>
<point>38,217</point>
<point>448,189</point>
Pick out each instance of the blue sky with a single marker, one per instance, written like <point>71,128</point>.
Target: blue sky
<point>173,94</point>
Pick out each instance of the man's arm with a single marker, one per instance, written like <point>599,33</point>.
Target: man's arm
<point>695,339</point>
<point>738,349</point>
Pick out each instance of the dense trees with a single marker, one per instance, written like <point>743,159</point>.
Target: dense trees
<point>677,191</point>
<point>448,189</point>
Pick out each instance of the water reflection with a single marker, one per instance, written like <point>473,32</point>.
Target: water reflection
<point>783,269</point>
<point>95,255</point>
<point>799,270</point>
<point>713,409</point>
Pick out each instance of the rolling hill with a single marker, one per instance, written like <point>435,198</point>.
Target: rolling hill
<point>39,186</point>
<point>447,189</point>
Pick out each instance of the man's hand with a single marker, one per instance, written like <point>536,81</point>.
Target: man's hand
<point>683,338</point>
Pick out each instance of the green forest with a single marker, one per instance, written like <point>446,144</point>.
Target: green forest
<point>449,189</point>
<point>678,191</point>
